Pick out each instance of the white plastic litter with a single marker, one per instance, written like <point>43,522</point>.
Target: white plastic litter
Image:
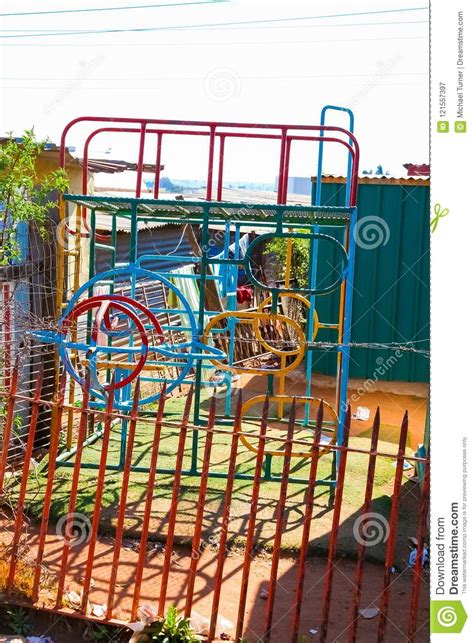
<point>98,610</point>
<point>147,613</point>
<point>73,598</point>
<point>362,413</point>
<point>412,558</point>
<point>406,465</point>
<point>200,624</point>
<point>369,612</point>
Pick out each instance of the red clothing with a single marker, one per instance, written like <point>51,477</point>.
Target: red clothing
<point>244,293</point>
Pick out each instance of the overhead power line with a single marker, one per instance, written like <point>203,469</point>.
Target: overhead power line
<point>116,8</point>
<point>208,25</point>
<point>27,32</point>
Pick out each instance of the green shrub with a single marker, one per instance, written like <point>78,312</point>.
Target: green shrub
<point>170,629</point>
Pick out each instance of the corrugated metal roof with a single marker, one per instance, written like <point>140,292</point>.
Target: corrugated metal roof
<point>391,283</point>
<point>103,222</point>
<point>236,195</point>
<point>102,219</point>
<point>378,178</point>
<point>111,166</point>
<point>168,241</point>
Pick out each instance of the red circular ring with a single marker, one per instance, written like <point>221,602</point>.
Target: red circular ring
<point>118,302</point>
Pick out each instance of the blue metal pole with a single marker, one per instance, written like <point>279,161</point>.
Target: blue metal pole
<point>346,335</point>
<point>232,306</point>
<point>317,196</point>
<point>313,255</point>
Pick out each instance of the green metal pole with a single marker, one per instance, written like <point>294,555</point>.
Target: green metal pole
<point>200,324</point>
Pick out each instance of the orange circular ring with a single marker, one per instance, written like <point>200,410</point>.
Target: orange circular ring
<point>314,402</point>
<point>246,317</point>
<point>267,301</point>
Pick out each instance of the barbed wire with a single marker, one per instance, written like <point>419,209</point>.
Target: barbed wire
<point>26,322</point>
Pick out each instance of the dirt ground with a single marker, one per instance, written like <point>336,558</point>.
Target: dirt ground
<point>400,590</point>
<point>393,398</point>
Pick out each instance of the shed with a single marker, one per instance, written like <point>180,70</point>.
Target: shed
<point>392,272</point>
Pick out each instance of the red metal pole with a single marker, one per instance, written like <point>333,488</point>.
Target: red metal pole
<point>73,492</point>
<point>188,123</point>
<point>156,187</point>
<point>394,510</point>
<point>196,545</point>
<point>123,498</point>
<point>252,520</point>
<point>220,175</point>
<point>308,514</point>
<point>329,573</point>
<point>98,495</point>
<point>355,175</point>
<point>210,167</point>
<point>53,451</point>
<point>281,171</point>
<point>354,149</point>
<point>85,178</point>
<point>225,517</point>
<point>362,544</point>
<point>286,170</point>
<point>7,430</point>
<point>148,503</point>
<point>141,150</point>
<point>174,504</point>
<point>24,479</point>
<point>279,526</point>
<point>420,538</point>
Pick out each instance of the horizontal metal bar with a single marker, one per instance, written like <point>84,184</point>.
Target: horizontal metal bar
<point>196,474</point>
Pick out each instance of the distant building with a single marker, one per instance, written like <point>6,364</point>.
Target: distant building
<point>413,169</point>
<point>297,184</point>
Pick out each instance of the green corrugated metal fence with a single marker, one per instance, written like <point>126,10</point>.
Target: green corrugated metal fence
<point>391,288</point>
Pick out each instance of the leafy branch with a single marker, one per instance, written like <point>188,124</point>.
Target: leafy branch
<point>299,265</point>
<point>25,193</point>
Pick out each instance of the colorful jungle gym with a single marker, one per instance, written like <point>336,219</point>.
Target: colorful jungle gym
<point>180,326</point>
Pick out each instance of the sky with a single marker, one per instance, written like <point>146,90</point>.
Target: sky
<point>281,63</point>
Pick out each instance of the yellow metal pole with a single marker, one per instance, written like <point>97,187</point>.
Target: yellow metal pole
<point>60,258</point>
<point>342,300</point>
<point>74,356</point>
<point>61,239</point>
<point>281,388</point>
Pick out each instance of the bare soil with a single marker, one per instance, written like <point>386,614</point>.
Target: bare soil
<point>400,590</point>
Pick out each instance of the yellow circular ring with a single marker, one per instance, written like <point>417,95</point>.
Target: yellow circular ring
<point>314,402</point>
<point>268,300</point>
<point>250,318</point>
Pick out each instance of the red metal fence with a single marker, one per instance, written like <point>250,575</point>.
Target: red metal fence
<point>307,590</point>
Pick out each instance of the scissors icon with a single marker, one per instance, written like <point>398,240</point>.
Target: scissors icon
<point>439,214</point>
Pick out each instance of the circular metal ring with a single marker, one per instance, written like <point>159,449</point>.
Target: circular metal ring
<point>314,402</point>
<point>298,297</point>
